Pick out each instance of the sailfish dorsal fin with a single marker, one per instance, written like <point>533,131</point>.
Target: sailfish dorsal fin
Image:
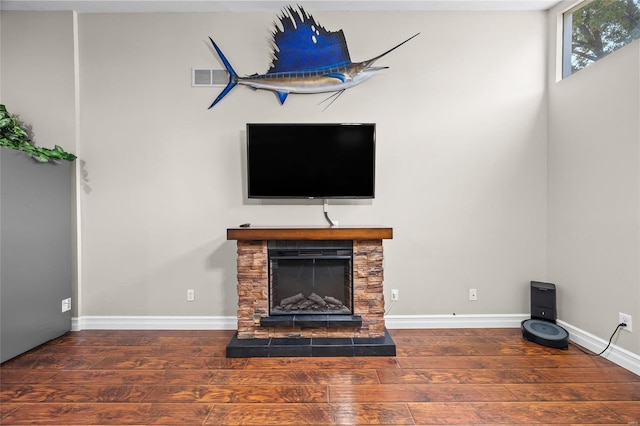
<point>300,44</point>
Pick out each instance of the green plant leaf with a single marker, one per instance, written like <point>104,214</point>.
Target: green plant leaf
<point>14,136</point>
<point>41,157</point>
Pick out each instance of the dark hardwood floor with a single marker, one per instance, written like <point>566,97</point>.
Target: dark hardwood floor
<point>440,376</point>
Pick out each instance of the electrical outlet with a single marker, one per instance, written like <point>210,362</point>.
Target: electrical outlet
<point>625,319</point>
<point>394,295</point>
<point>191,295</point>
<point>473,294</point>
<point>66,305</point>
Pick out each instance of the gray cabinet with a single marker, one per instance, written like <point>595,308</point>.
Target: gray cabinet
<point>35,251</point>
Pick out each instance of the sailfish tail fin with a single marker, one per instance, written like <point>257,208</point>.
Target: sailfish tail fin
<point>233,76</point>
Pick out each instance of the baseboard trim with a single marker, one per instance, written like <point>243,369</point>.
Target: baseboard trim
<point>230,323</point>
<point>454,321</point>
<point>153,323</point>
<point>615,354</point>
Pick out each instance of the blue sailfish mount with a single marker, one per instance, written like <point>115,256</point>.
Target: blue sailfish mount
<point>306,59</point>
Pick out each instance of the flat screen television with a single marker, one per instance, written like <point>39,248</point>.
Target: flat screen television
<point>311,160</point>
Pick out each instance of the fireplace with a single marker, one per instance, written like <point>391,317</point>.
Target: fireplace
<point>313,291</point>
<point>310,277</point>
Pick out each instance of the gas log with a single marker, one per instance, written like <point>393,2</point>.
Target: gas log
<point>313,302</point>
<point>291,300</point>
<point>317,299</point>
<point>333,301</point>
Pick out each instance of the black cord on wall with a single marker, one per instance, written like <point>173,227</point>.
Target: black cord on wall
<point>621,325</point>
<point>611,338</point>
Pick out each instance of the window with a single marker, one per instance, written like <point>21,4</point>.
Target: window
<point>595,28</point>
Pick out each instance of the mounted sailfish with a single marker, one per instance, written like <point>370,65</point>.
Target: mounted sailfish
<point>306,59</point>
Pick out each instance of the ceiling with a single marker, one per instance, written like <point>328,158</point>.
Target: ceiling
<point>133,6</point>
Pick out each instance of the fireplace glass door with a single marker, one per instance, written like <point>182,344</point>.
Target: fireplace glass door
<point>310,281</point>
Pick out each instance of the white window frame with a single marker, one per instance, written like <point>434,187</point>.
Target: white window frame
<point>566,33</point>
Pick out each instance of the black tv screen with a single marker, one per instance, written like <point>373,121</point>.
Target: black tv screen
<point>311,160</point>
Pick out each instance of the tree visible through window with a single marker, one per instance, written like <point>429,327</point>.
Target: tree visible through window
<point>596,28</point>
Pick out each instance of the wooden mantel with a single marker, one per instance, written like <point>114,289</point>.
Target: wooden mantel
<point>265,233</point>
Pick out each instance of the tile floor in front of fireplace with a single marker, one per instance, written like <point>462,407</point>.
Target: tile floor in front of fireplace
<point>439,376</point>
<point>311,347</point>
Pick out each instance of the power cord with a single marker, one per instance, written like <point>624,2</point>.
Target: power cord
<point>390,306</point>
<point>326,216</point>
<point>325,205</point>
<point>621,325</point>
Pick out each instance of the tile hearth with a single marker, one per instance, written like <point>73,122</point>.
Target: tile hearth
<point>311,347</point>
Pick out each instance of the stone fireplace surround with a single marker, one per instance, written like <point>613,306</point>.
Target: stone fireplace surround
<point>360,334</point>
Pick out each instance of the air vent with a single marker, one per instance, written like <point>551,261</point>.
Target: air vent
<point>208,77</point>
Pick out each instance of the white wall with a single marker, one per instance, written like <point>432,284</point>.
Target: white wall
<point>594,190</point>
<point>461,117</point>
<point>38,76</point>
